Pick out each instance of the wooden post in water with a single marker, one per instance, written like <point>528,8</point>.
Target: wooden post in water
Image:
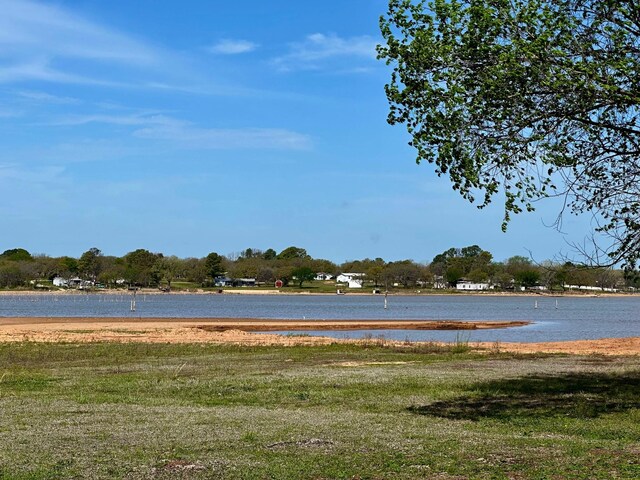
<point>133,301</point>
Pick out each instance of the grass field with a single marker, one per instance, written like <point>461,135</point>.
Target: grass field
<point>341,411</point>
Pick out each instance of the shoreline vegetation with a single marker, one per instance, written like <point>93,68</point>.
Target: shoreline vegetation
<point>456,270</point>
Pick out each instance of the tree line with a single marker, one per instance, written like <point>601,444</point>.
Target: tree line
<point>294,266</point>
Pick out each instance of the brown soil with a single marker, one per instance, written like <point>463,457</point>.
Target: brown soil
<point>237,331</point>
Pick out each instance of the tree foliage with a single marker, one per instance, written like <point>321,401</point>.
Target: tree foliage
<point>90,263</point>
<point>293,252</point>
<point>16,255</point>
<point>525,99</point>
<point>303,274</point>
<point>141,267</point>
<point>470,262</point>
<point>214,265</point>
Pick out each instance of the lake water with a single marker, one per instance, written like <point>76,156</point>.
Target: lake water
<point>573,319</point>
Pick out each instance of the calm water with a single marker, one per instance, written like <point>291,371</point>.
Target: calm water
<point>574,318</point>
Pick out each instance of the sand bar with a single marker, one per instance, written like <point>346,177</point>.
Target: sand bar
<point>267,325</point>
<point>230,331</point>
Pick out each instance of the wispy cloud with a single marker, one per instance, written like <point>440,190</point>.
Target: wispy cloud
<point>41,175</point>
<point>155,126</point>
<point>322,50</point>
<point>40,69</point>
<point>232,47</point>
<point>49,43</point>
<point>52,31</point>
<point>134,119</point>
<point>6,113</point>
<point>44,97</point>
<point>227,138</point>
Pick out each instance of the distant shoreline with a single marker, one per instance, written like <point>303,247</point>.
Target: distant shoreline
<point>251,291</point>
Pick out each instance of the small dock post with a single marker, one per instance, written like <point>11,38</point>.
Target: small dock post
<point>133,301</point>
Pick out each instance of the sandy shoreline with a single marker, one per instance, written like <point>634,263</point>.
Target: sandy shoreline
<point>239,332</point>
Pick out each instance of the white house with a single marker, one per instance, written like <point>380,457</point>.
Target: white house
<point>323,276</point>
<point>75,282</point>
<point>223,281</point>
<point>590,288</point>
<point>467,285</point>
<point>353,280</point>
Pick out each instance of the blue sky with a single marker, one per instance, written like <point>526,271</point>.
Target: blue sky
<point>191,127</point>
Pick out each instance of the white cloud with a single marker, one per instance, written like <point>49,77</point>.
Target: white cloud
<point>318,49</point>
<point>232,47</point>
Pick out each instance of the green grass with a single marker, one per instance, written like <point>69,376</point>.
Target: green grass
<point>340,411</point>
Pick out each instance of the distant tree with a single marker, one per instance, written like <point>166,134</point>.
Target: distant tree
<point>45,267</point>
<point>457,263</point>
<point>67,266</point>
<point>404,272</point>
<point>303,274</point>
<point>453,275</point>
<point>632,278</point>
<point>321,265</point>
<point>502,279</point>
<point>608,278</point>
<point>167,268</point>
<point>113,271</point>
<point>265,275</point>
<point>284,273</point>
<point>374,274</point>
<point>214,265</point>
<point>251,253</point>
<point>527,278</point>
<point>90,264</point>
<point>523,271</point>
<point>353,266</point>
<point>16,255</point>
<point>246,267</point>
<point>516,263</point>
<point>195,270</point>
<point>11,275</point>
<point>580,275</point>
<point>477,275</point>
<point>293,253</point>
<point>140,267</point>
<point>269,254</point>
